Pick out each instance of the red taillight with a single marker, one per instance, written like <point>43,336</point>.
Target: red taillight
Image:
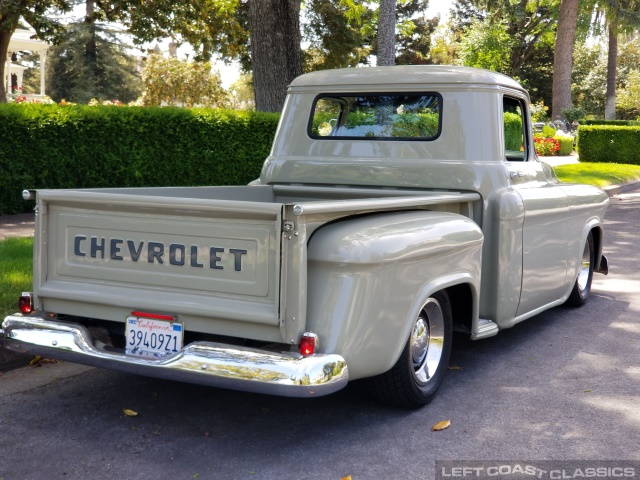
<point>308,344</point>
<point>25,304</point>
<point>154,316</point>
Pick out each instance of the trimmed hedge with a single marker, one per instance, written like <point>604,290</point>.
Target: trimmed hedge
<point>609,144</point>
<point>52,146</point>
<point>620,123</point>
<point>512,131</point>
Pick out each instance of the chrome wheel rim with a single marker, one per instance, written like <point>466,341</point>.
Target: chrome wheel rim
<point>427,341</point>
<point>585,268</point>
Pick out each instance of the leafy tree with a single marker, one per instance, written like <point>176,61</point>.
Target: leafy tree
<point>339,34</point>
<point>445,46</point>
<point>464,12</point>
<point>487,44</point>
<point>170,81</point>
<point>527,23</point>
<point>208,26</point>
<point>589,83</point>
<point>111,73</point>
<point>516,35</point>
<point>241,94</point>
<point>536,75</point>
<point>139,16</point>
<point>263,34</point>
<point>343,33</point>
<point>628,98</point>
<point>413,41</point>
<point>589,74</point>
<point>620,16</point>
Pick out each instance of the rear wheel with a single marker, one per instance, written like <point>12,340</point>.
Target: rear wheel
<point>582,287</point>
<point>415,378</point>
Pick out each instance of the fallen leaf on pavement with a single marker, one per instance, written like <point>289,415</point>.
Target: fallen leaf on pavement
<point>35,360</point>
<point>129,413</point>
<point>441,425</point>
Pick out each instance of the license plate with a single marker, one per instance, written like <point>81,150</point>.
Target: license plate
<point>148,337</point>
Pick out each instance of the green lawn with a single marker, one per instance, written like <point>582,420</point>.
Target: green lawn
<point>15,272</point>
<point>598,174</point>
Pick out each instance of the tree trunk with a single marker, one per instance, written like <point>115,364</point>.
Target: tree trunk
<point>276,56</point>
<point>90,47</point>
<point>612,62</point>
<point>387,33</point>
<point>6,31</point>
<point>563,57</point>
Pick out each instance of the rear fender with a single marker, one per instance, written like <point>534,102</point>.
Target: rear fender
<point>369,276</point>
<point>594,226</point>
<point>597,230</point>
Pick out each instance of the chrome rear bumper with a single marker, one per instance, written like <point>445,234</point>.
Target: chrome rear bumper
<point>207,363</point>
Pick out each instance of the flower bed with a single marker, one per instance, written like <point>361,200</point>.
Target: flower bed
<point>546,147</point>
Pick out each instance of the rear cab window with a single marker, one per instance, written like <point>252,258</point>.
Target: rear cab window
<point>414,116</point>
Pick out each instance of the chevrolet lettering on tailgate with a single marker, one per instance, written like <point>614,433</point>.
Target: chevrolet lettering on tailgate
<point>157,252</point>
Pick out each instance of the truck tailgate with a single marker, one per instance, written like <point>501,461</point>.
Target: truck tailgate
<point>102,254</point>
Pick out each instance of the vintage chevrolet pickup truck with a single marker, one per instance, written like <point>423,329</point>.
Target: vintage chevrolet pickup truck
<point>398,205</point>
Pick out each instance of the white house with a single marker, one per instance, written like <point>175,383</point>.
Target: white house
<point>21,41</point>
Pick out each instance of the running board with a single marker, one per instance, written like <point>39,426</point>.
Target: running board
<point>486,328</point>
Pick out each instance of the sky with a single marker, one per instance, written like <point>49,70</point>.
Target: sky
<point>439,7</point>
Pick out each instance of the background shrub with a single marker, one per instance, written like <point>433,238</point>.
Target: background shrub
<point>609,144</point>
<point>573,114</point>
<point>628,123</point>
<point>548,132</point>
<point>566,144</point>
<point>52,146</point>
<point>512,131</point>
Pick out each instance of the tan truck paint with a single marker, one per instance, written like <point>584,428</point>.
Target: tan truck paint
<point>347,238</point>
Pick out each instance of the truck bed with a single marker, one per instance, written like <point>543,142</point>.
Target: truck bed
<point>224,260</point>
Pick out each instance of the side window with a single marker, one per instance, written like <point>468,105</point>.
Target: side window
<point>513,111</point>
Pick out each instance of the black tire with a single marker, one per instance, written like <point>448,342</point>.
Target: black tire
<point>582,287</point>
<point>415,378</point>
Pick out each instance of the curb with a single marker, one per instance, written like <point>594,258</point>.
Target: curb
<point>10,360</point>
<point>625,187</point>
